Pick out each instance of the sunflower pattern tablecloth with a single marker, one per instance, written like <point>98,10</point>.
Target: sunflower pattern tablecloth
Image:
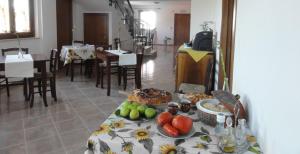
<point>120,136</point>
<point>68,53</point>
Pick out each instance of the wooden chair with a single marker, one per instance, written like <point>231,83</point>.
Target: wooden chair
<point>134,71</point>
<point>23,82</point>
<point>209,76</point>
<point>6,85</point>
<point>75,61</point>
<point>101,67</point>
<point>51,77</point>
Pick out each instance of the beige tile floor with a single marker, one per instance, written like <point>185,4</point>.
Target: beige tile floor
<point>65,125</point>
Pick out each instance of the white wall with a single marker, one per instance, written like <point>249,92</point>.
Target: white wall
<point>165,18</point>
<point>46,32</point>
<point>266,71</point>
<point>207,10</point>
<point>201,11</point>
<point>100,6</point>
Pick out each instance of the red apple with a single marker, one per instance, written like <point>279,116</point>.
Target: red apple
<point>183,124</point>
<point>164,118</point>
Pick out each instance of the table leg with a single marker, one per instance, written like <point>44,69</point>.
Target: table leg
<point>138,78</point>
<point>72,70</point>
<point>44,82</point>
<point>26,95</point>
<point>108,74</point>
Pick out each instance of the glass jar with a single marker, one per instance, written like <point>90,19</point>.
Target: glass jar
<point>241,132</point>
<point>185,105</point>
<point>219,129</point>
<point>227,140</point>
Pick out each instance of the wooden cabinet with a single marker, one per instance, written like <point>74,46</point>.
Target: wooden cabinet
<point>189,71</point>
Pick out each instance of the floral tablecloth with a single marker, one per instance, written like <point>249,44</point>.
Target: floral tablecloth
<point>68,53</point>
<point>120,136</point>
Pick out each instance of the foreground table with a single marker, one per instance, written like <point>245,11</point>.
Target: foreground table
<point>117,136</point>
<point>39,61</point>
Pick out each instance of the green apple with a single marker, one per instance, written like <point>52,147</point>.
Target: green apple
<point>150,113</point>
<point>124,112</point>
<point>134,114</point>
<point>142,109</point>
<point>126,104</point>
<point>136,104</point>
<point>132,107</point>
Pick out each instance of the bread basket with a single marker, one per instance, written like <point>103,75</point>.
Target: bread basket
<point>208,116</point>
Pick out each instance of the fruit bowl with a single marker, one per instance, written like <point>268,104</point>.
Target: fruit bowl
<point>133,111</point>
<point>163,133</point>
<point>140,119</point>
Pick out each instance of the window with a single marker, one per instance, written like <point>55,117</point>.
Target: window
<point>149,18</point>
<point>16,16</point>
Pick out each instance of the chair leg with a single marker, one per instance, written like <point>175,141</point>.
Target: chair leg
<point>101,76</point>
<point>97,72</point>
<point>91,69</point>
<point>72,71</point>
<point>81,64</point>
<point>40,87</point>
<point>67,69</point>
<point>53,88</point>
<point>119,75</point>
<point>125,78</point>
<point>25,87</point>
<point>7,87</point>
<point>31,92</point>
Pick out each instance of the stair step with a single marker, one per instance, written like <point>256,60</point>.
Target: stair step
<point>150,53</point>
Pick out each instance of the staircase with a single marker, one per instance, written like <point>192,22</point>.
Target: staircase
<point>138,29</point>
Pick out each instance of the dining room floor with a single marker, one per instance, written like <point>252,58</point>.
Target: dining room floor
<point>64,126</point>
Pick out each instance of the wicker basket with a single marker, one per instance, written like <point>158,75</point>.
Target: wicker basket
<point>207,116</point>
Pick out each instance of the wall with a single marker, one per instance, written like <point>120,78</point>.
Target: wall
<point>266,71</point>
<point>201,11</point>
<point>165,17</point>
<point>100,6</point>
<point>45,20</point>
<point>207,10</point>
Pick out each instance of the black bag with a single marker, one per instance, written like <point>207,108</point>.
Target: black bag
<point>203,41</point>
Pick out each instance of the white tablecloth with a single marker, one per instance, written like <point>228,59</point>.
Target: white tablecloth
<point>19,67</point>
<point>74,52</point>
<point>124,58</point>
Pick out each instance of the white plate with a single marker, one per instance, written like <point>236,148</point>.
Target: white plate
<point>162,132</point>
<point>199,105</point>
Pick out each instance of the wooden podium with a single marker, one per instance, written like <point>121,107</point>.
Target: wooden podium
<point>190,71</point>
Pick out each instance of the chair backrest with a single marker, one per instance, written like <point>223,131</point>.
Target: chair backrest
<point>117,41</point>
<point>13,51</point>
<point>79,42</point>
<point>104,47</point>
<point>209,76</point>
<point>54,57</point>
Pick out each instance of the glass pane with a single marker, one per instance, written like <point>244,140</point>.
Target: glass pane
<point>4,16</point>
<point>149,18</point>
<point>22,15</point>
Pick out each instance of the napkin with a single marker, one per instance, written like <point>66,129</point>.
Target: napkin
<point>19,67</point>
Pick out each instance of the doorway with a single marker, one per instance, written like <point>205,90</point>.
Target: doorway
<point>229,8</point>
<point>181,29</point>
<point>96,28</point>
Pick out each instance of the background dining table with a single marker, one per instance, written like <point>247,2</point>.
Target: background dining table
<point>39,62</point>
<point>109,57</point>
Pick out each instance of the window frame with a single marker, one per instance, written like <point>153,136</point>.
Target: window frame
<point>12,24</point>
